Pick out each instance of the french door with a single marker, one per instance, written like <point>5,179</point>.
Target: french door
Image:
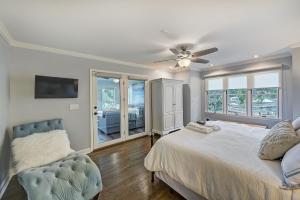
<point>119,107</point>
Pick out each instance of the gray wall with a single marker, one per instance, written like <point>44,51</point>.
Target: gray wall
<point>296,82</point>
<point>4,112</point>
<point>24,108</point>
<point>191,95</point>
<point>287,100</point>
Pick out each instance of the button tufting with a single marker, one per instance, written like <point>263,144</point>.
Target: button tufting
<point>60,165</point>
<point>44,171</point>
<point>38,181</point>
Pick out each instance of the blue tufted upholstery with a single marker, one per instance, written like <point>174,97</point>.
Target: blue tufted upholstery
<point>75,177</point>
<point>37,127</point>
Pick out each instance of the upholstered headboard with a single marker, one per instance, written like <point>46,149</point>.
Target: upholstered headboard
<point>37,127</point>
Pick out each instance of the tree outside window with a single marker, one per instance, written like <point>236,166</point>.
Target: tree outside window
<point>215,101</point>
<point>108,98</point>
<point>237,101</point>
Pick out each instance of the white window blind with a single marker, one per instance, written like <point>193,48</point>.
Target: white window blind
<point>215,84</point>
<point>237,82</point>
<point>266,79</point>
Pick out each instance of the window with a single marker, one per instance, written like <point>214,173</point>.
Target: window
<point>108,97</point>
<point>254,94</point>
<point>215,95</point>
<point>265,102</point>
<point>265,95</point>
<point>237,95</point>
<point>215,101</point>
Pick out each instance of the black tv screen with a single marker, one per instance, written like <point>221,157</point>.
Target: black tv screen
<point>54,87</point>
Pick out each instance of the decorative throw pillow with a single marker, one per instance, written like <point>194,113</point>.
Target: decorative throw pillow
<point>279,140</point>
<point>40,149</point>
<point>290,165</point>
<point>296,123</point>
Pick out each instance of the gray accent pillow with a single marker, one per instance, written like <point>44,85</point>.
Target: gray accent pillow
<point>290,165</point>
<point>279,140</point>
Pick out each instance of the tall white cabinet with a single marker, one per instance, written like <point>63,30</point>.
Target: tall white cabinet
<point>166,103</point>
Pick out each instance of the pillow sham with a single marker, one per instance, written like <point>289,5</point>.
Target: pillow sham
<point>296,123</point>
<point>40,149</point>
<point>279,140</point>
<point>290,165</point>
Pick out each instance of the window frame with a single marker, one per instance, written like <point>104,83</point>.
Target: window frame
<point>250,87</point>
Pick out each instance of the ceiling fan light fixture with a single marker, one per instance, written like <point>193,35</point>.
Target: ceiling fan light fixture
<point>184,62</point>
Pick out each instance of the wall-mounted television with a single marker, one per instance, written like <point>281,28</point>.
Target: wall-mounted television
<point>54,87</point>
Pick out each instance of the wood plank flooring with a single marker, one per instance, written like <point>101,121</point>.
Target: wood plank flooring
<point>123,175</point>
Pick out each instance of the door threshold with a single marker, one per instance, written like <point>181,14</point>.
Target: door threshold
<point>118,143</point>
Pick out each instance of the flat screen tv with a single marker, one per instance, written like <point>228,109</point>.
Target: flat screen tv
<point>54,87</point>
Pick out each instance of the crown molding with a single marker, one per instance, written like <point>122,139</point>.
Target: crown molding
<point>245,62</point>
<point>5,34</point>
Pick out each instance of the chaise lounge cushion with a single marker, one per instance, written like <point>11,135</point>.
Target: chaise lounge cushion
<point>75,177</point>
<point>40,149</point>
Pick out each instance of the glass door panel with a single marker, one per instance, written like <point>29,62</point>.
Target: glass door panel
<point>136,106</point>
<point>108,109</point>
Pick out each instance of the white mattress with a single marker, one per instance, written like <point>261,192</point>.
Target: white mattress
<point>220,165</point>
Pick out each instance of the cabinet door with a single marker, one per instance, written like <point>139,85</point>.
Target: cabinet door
<point>178,120</point>
<point>178,98</point>
<point>168,122</point>
<point>168,99</point>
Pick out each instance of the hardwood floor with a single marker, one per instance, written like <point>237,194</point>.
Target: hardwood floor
<point>123,175</point>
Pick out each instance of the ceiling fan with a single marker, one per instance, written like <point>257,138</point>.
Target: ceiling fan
<point>186,57</point>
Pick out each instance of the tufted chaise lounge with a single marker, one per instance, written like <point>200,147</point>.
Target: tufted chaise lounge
<point>75,177</point>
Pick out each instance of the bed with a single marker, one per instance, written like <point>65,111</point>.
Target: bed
<point>219,165</point>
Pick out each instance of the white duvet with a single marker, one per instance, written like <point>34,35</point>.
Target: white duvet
<point>220,165</point>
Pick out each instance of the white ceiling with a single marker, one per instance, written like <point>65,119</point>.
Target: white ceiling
<point>141,31</point>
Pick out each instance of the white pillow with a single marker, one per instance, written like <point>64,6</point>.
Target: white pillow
<point>290,165</point>
<point>296,123</point>
<point>40,149</point>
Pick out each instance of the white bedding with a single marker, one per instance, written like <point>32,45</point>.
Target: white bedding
<point>220,165</point>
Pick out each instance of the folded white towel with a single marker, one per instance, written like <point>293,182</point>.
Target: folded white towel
<point>199,128</point>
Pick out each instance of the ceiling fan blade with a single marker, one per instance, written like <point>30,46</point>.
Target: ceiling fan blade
<point>175,51</point>
<point>199,60</point>
<point>205,52</point>
<point>158,61</point>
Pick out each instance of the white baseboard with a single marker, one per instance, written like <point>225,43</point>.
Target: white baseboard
<point>4,185</point>
<point>85,151</point>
